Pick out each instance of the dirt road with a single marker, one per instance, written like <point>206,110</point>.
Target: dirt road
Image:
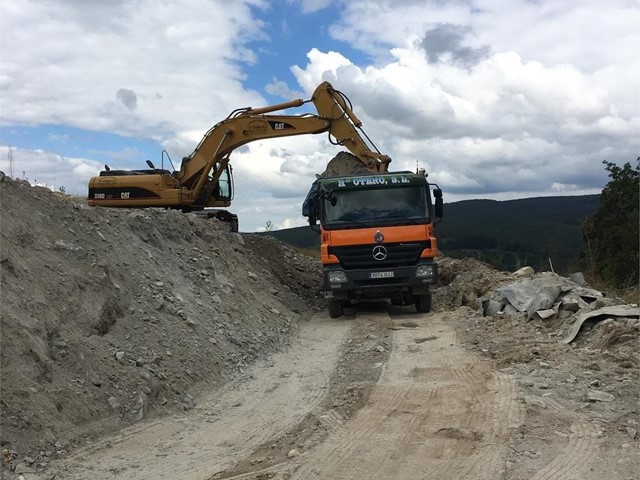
<point>225,427</point>
<point>380,394</point>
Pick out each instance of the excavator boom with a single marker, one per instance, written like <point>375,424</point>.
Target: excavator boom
<point>198,183</point>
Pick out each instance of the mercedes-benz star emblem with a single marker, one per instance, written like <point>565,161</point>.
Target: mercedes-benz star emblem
<point>378,237</point>
<point>379,253</point>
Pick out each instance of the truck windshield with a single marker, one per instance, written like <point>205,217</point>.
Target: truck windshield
<point>370,207</point>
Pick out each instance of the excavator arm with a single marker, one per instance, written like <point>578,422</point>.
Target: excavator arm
<point>198,182</point>
<point>335,116</point>
<point>346,127</point>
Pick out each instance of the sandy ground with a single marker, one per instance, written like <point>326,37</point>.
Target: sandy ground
<point>429,406</point>
<point>227,425</point>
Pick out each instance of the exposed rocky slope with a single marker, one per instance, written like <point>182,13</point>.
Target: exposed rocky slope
<point>112,315</point>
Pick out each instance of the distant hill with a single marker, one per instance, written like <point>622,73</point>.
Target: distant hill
<point>507,234</point>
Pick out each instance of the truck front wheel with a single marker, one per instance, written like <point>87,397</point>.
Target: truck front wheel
<point>423,302</point>
<point>335,308</point>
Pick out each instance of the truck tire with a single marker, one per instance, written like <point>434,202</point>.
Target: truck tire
<point>335,308</point>
<point>423,302</point>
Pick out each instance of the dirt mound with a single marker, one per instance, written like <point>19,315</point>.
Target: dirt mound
<point>462,282</point>
<point>109,315</point>
<point>471,283</point>
<point>344,163</point>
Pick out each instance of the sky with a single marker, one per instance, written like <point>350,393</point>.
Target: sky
<point>496,99</point>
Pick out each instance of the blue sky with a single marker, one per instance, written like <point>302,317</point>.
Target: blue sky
<point>496,99</point>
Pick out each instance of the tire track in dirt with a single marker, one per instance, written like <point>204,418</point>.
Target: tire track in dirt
<point>227,425</point>
<point>358,368</point>
<point>572,461</point>
<point>437,412</point>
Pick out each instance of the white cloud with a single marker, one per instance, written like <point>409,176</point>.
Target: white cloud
<point>142,68</point>
<point>281,89</point>
<point>49,169</point>
<point>503,124</point>
<point>311,6</point>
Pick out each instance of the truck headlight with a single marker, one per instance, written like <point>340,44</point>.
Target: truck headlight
<point>337,276</point>
<point>425,271</point>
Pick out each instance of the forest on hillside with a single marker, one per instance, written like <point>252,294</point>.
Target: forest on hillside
<point>540,232</point>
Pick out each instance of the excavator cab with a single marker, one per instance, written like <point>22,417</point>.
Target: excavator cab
<point>220,183</point>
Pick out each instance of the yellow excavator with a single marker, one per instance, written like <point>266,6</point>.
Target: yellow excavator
<point>205,177</point>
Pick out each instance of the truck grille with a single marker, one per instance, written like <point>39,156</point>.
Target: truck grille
<point>361,256</point>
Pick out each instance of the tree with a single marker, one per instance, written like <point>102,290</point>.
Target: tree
<point>268,227</point>
<point>611,233</point>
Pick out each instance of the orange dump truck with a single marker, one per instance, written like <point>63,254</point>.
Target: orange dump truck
<point>377,238</point>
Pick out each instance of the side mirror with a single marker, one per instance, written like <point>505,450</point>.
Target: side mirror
<point>439,207</point>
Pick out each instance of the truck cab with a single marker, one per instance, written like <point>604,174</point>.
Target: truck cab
<point>377,237</point>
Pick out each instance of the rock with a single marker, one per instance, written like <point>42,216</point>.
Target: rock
<point>93,377</point>
<point>62,245</point>
<point>252,275</point>
<point>524,272</point>
<point>239,238</point>
<point>578,278</point>
<point>509,309</point>
<point>154,387</point>
<point>142,406</point>
<point>28,460</point>
<point>544,299</point>
<point>631,432</point>
<point>379,348</point>
<point>491,307</point>
<point>188,402</point>
<point>293,453</point>
<point>113,403</point>
<point>6,439</point>
<point>120,356</point>
<point>23,468</point>
<point>599,396</point>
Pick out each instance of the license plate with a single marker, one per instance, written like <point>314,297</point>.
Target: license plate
<point>381,274</point>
